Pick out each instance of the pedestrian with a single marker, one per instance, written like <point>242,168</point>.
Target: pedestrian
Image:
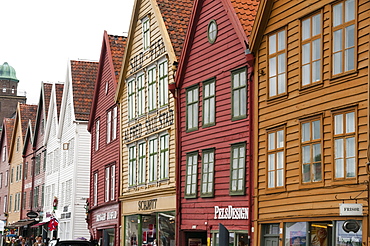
<point>39,242</point>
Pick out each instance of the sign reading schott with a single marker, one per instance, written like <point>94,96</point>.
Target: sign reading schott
<point>231,213</point>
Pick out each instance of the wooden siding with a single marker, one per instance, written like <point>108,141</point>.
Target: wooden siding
<point>217,61</point>
<point>295,200</point>
<point>155,35</point>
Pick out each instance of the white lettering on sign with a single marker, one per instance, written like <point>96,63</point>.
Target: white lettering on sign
<point>231,213</point>
<point>350,209</point>
<point>28,185</point>
<point>106,216</point>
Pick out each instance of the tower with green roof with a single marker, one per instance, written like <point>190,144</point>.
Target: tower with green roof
<point>9,91</point>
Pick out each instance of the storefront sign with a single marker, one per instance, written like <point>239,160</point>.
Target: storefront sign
<point>32,214</point>
<point>106,216</point>
<point>350,209</point>
<point>231,213</point>
<point>147,205</point>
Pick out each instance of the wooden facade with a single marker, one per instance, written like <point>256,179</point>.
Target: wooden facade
<point>311,121</point>
<point>215,134</point>
<point>148,187</point>
<point>104,206</point>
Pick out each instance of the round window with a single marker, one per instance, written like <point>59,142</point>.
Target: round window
<point>212,31</point>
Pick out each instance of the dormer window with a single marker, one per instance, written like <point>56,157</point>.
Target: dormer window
<point>106,87</point>
<point>146,32</point>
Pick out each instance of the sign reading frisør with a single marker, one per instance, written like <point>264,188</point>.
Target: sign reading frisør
<point>350,209</point>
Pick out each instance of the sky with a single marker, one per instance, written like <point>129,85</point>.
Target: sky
<point>39,37</point>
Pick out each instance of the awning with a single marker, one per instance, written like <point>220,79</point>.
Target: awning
<point>38,224</point>
<point>21,223</point>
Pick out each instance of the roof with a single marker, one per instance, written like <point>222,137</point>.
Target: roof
<point>27,112</point>
<point>9,126</point>
<point>176,16</point>
<point>117,48</point>
<point>83,79</point>
<point>47,95</point>
<point>246,12</point>
<point>58,96</point>
<point>7,72</point>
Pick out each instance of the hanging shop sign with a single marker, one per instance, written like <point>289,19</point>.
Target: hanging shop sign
<point>231,213</point>
<point>350,209</point>
<point>32,214</point>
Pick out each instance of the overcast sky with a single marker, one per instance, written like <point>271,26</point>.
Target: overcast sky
<point>39,37</point>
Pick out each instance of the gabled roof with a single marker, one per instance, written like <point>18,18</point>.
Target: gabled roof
<point>241,14</point>
<point>176,15</point>
<point>59,96</point>
<point>7,131</point>
<point>113,46</point>
<point>83,74</point>
<point>46,96</point>
<point>173,19</point>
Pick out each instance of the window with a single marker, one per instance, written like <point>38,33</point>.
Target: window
<point>191,175</point>
<point>236,238</point>
<point>45,159</point>
<point>152,89</point>
<point>107,179</point>
<point>239,96</point>
<point>114,123</point>
<point>112,182</point>
<point>131,99</point>
<point>95,189</point>
<point>37,164</point>
<point>6,178</point>
<point>192,95</point>
<point>97,134</point>
<point>163,83</point>
<point>275,159</point>
<point>132,166</point>
<point>209,106</point>
<point>10,203</point>
<point>109,126</point>
<point>5,203</point>
<point>17,144</point>
<point>11,175</point>
<point>4,153</point>
<point>68,192</point>
<point>25,170</point>
<point>140,95</point>
<point>153,153</point>
<point>42,194</point>
<point>164,157</point>
<point>344,145</point>
<point>311,151</point>
<point>212,31</point>
<point>311,50</point>
<point>142,163</point>
<point>36,196</point>
<point>24,200</point>
<point>237,169</point>
<point>208,164</point>
<point>277,64</point>
<point>1,180</point>
<point>344,36</point>
<point>71,151</point>
<point>146,33</point>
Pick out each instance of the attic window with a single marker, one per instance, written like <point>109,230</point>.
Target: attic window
<point>212,31</point>
<point>106,87</point>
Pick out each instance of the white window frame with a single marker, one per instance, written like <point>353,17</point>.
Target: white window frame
<point>146,32</point>
<point>153,158</point>
<point>141,156</point>
<point>107,181</point>
<point>97,134</point>
<point>152,88</point>
<point>95,194</point>
<point>109,125</point>
<point>164,156</point>
<point>112,182</point>
<point>163,83</point>
<point>131,93</point>
<point>132,160</point>
<point>140,83</point>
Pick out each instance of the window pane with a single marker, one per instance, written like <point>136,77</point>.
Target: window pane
<point>306,48</point>
<point>339,168</point>
<point>350,147</point>
<point>351,168</point>
<point>316,49</point>
<point>306,74</point>
<point>281,40</point>
<point>271,139</point>
<point>337,14</point>
<point>272,67</point>
<point>339,148</point>
<point>349,59</point>
<point>272,88</point>
<point>279,178</point>
<point>271,182</point>
<point>236,81</point>
<point>350,36</point>
<point>350,122</point>
<point>305,132</point>
<point>243,101</point>
<point>316,152</point>
<point>337,63</point>
<point>338,122</point>
<point>316,132</point>
<point>272,44</point>
<point>306,154</point>
<point>317,173</point>
<point>280,139</point>
<point>316,69</point>
<point>281,63</point>
<point>349,10</point>
<point>337,40</point>
<point>281,83</point>
<point>271,162</point>
<point>306,173</point>
<point>279,160</point>
<point>306,29</point>
<point>236,109</point>
<point>316,24</point>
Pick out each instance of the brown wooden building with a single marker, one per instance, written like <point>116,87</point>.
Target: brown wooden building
<point>311,121</point>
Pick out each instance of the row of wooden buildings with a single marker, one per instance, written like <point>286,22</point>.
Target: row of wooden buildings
<point>214,122</point>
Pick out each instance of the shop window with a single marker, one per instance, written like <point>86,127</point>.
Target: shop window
<point>236,238</point>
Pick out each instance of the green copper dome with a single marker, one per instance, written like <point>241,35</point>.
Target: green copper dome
<point>7,72</point>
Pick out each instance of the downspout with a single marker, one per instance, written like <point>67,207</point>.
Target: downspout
<point>175,93</point>
<point>250,70</point>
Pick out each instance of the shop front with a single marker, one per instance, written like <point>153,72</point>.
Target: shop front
<point>150,222</point>
<point>105,225</point>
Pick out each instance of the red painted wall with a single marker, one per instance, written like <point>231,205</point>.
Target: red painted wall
<point>206,61</point>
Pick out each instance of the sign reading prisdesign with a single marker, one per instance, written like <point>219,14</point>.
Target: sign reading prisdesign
<point>231,213</point>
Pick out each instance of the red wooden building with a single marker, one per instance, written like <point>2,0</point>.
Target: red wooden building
<point>214,101</point>
<point>104,206</point>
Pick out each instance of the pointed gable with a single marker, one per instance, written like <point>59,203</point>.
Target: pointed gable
<point>117,46</point>
<point>176,16</point>
<point>9,126</point>
<point>58,96</point>
<point>46,96</point>
<point>27,112</point>
<point>83,75</point>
